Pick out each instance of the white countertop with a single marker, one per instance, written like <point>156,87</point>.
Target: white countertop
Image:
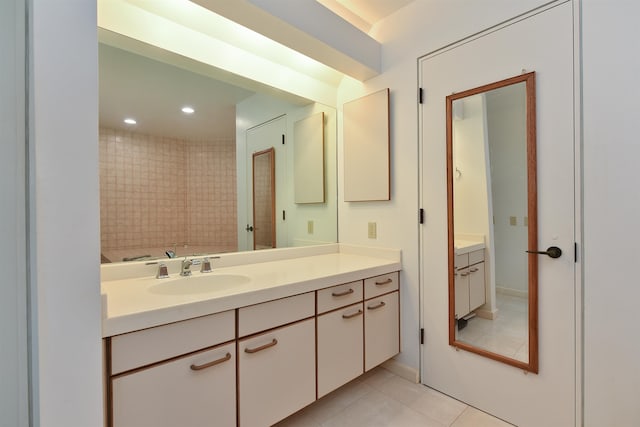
<point>465,246</point>
<point>128,305</point>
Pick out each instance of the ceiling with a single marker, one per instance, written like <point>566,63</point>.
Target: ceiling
<point>363,14</point>
<point>154,92</point>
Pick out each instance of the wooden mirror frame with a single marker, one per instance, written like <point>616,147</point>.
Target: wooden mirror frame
<point>532,212</point>
<point>270,154</point>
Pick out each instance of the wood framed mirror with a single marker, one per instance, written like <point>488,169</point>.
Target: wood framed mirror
<point>264,199</point>
<point>492,221</point>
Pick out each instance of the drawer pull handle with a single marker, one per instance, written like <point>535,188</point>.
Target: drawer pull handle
<point>375,307</point>
<point>343,293</point>
<point>352,315</point>
<point>262,347</point>
<point>473,270</point>
<point>384,282</point>
<point>210,364</point>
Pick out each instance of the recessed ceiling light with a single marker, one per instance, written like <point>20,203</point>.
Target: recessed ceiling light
<point>188,110</point>
<point>130,121</point>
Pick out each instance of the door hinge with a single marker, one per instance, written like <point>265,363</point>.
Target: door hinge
<point>420,95</point>
<point>284,215</point>
<point>421,216</point>
<point>282,139</point>
<point>421,335</point>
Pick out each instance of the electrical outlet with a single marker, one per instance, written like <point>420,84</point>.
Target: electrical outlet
<point>372,230</point>
<point>310,227</point>
<point>513,220</point>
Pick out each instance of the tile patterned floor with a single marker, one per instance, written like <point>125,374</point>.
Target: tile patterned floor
<point>507,334</point>
<point>382,399</point>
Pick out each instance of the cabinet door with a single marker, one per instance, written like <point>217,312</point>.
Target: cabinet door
<point>276,373</point>
<point>381,329</point>
<point>476,286</point>
<point>191,391</point>
<point>340,347</point>
<point>461,285</point>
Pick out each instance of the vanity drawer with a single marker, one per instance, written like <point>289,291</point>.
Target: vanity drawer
<point>339,296</point>
<point>140,348</point>
<point>379,285</point>
<point>476,256</point>
<point>462,261</point>
<point>260,317</point>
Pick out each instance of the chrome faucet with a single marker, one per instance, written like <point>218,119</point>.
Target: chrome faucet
<point>185,267</point>
<point>206,264</point>
<point>162,271</point>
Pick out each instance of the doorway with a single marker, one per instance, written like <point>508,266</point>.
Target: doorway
<point>265,143</point>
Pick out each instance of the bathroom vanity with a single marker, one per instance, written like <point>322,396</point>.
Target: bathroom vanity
<point>469,276</point>
<point>292,325</point>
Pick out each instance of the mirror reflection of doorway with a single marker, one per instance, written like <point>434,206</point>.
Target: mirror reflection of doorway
<point>264,232</point>
<point>264,199</point>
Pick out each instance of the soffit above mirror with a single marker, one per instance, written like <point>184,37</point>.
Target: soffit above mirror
<point>309,28</point>
<point>196,37</point>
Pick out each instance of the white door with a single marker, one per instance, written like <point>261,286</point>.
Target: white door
<point>544,43</point>
<point>260,138</point>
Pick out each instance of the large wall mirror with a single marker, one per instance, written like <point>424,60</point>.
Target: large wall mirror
<point>492,216</point>
<point>175,181</point>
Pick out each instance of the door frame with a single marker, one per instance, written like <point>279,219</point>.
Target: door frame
<point>577,187</point>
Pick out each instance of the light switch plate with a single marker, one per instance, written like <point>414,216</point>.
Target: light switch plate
<point>310,227</point>
<point>513,220</point>
<point>372,230</point>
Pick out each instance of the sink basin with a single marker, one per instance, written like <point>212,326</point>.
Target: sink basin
<point>198,284</point>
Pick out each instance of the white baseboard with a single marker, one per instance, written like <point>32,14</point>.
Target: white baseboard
<point>402,370</point>
<point>512,292</point>
<point>487,314</point>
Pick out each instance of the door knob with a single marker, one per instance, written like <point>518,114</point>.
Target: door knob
<point>249,227</point>
<point>552,251</point>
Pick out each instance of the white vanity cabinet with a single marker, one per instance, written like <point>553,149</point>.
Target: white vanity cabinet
<point>276,368</point>
<point>381,319</point>
<point>162,376</point>
<point>469,282</point>
<point>252,365</point>
<point>340,335</point>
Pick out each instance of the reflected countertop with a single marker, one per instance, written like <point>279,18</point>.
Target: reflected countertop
<point>128,304</point>
<point>462,246</point>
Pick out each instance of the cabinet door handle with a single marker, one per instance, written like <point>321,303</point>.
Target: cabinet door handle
<point>349,316</point>
<point>262,347</point>
<point>212,363</point>
<point>375,307</point>
<point>473,270</point>
<point>343,293</point>
<point>384,282</point>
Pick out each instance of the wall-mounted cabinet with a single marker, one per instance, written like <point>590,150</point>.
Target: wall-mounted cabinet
<point>366,148</point>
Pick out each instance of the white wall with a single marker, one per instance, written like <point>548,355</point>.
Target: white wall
<point>64,202</point>
<point>470,197</point>
<point>251,112</point>
<point>421,27</point>
<point>258,109</point>
<point>611,150</point>
<point>13,286</point>
<point>508,147</point>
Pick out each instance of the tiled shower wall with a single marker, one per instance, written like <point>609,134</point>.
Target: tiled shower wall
<point>156,192</point>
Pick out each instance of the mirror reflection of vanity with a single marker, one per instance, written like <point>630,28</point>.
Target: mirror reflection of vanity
<point>163,191</point>
<point>492,216</point>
